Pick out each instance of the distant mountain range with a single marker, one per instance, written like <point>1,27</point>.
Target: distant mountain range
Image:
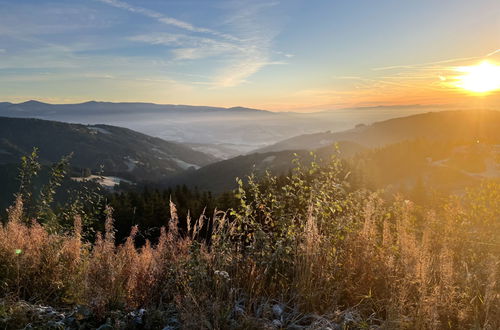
<point>223,132</point>
<point>91,108</point>
<point>120,151</point>
<point>180,123</point>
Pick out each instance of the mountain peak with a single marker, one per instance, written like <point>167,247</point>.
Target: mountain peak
<point>33,102</point>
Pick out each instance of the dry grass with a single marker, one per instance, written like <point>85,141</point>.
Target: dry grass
<point>428,279</point>
<point>398,266</point>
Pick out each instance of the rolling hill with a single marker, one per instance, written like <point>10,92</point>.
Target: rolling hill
<point>120,151</point>
<point>394,152</point>
<point>226,132</point>
<point>220,176</point>
<point>465,125</point>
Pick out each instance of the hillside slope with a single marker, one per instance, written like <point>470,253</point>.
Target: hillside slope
<point>220,176</point>
<point>396,152</point>
<point>121,151</point>
<point>469,125</point>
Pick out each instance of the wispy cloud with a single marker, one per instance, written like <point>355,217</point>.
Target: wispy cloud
<point>423,83</point>
<point>259,32</point>
<point>190,47</point>
<point>26,18</point>
<point>426,77</point>
<point>241,56</point>
<point>166,19</point>
<point>432,65</point>
<point>496,51</point>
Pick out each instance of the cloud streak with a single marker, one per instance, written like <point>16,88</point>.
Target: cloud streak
<point>190,47</point>
<point>241,56</point>
<point>423,83</point>
<point>166,19</point>
<point>435,76</point>
<point>432,65</point>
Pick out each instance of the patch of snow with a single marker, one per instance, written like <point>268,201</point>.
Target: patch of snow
<point>154,149</point>
<point>225,150</point>
<point>95,130</point>
<point>108,182</point>
<point>491,171</point>
<point>325,142</point>
<point>184,165</point>
<point>441,162</point>
<point>131,163</point>
<point>158,151</point>
<point>212,151</point>
<point>269,159</point>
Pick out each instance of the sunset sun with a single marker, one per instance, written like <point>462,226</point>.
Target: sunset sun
<point>481,78</point>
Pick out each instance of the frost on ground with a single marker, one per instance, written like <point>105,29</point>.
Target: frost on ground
<point>265,315</point>
<point>95,130</point>
<point>184,165</point>
<point>131,163</point>
<point>108,182</point>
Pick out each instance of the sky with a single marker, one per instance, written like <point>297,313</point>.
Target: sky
<point>283,55</point>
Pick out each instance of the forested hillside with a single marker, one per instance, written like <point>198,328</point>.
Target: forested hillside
<point>119,151</point>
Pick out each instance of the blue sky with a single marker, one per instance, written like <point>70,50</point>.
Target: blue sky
<point>288,54</point>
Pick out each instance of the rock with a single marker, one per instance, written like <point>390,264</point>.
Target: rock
<point>320,322</point>
<point>138,316</point>
<point>69,321</point>
<point>82,312</point>
<point>238,311</point>
<point>264,311</point>
<point>277,323</point>
<point>351,318</point>
<point>277,311</point>
<point>173,321</point>
<point>334,326</point>
<point>105,326</point>
<point>55,325</point>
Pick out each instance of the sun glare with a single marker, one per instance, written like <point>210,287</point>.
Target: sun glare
<point>481,78</point>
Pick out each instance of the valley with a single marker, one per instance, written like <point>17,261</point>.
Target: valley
<point>223,132</point>
<point>136,158</point>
